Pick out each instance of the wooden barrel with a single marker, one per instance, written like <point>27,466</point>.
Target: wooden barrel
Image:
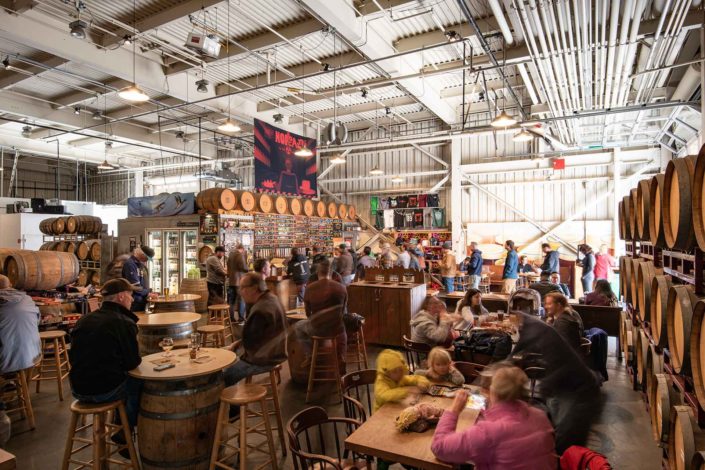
<point>662,396</point>
<point>93,277</point>
<point>198,287</point>
<point>61,246</point>
<point>643,208</point>
<point>698,461</point>
<point>634,283</point>
<point>625,336</point>
<point>82,250</point>
<point>677,203</point>
<point>40,270</point>
<point>246,201</point>
<point>642,350</point>
<point>320,209</point>
<point>215,199</point>
<point>644,274</point>
<point>697,348</point>
<point>265,203</point>
<point>660,285</point>
<point>48,246</point>
<point>684,439</point>
<point>627,210</point>
<point>309,208</point>
<point>632,214</point>
<point>656,234</point>
<point>352,213</point>
<point>82,280</point>
<point>281,205</point>
<point>177,422</point>
<point>88,224</point>
<point>70,247</point>
<point>148,338</point>
<point>654,365</point>
<point>625,277</point>
<point>175,306</point>
<point>93,249</point>
<point>295,206</point>
<point>699,199</point>
<point>332,210</point>
<point>70,224</point>
<point>679,316</point>
<point>52,226</point>
<point>343,211</point>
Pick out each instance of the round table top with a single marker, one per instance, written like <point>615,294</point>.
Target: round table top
<point>166,318</point>
<point>185,368</point>
<point>175,298</point>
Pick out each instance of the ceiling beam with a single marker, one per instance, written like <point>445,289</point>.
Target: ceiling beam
<point>16,75</point>
<point>358,108</point>
<point>436,36</point>
<point>693,20</point>
<point>74,98</point>
<point>17,6</point>
<point>368,7</point>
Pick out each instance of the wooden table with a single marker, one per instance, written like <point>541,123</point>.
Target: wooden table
<point>296,314</point>
<point>175,303</point>
<point>179,326</point>
<point>179,409</point>
<point>379,437</point>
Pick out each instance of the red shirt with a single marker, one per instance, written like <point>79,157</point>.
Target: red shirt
<point>603,263</point>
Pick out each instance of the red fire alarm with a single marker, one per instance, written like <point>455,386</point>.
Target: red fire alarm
<point>558,164</point>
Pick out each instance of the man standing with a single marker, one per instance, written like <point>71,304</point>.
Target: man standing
<point>588,264</point>
<point>345,265</point>
<point>404,258</point>
<point>237,267</point>
<point>299,271</point>
<point>366,261</point>
<point>133,270</point>
<point>385,257</point>
<point>551,260</point>
<point>475,266</point>
<point>511,269</point>
<point>318,257</point>
<point>448,268</point>
<point>215,276</point>
<point>19,329</point>
<point>104,348</point>
<point>264,333</point>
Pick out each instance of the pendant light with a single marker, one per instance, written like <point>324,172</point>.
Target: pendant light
<point>229,126</point>
<point>105,165</point>
<point>503,120</point>
<point>338,159</point>
<point>397,179</point>
<point>303,151</point>
<point>523,136</point>
<point>133,92</point>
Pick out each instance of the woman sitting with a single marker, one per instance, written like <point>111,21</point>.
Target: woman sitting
<point>432,325</point>
<point>469,308</point>
<point>509,434</point>
<point>602,295</point>
<point>566,321</point>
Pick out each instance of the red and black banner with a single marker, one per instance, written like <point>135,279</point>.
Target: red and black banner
<point>277,169</point>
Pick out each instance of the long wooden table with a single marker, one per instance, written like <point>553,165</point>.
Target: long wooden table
<point>379,437</point>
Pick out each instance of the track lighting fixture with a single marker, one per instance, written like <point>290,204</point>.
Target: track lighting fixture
<point>27,132</point>
<point>452,36</point>
<point>133,92</point>
<point>364,93</point>
<point>202,86</point>
<point>229,126</point>
<point>97,116</point>
<point>388,111</point>
<point>78,29</point>
<point>127,40</point>
<point>105,165</point>
<point>303,151</point>
<point>278,118</point>
<point>77,110</point>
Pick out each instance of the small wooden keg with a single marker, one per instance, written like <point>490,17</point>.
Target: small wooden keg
<point>679,317</point>
<point>265,203</point>
<point>215,199</point>
<point>295,206</point>
<point>662,396</point>
<point>320,209</point>
<point>332,210</point>
<point>660,285</point>
<point>281,206</point>
<point>309,208</point>
<point>247,201</point>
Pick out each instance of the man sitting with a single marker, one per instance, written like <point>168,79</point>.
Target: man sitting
<point>556,279</point>
<point>544,286</point>
<point>19,333</point>
<point>432,325</point>
<point>104,348</point>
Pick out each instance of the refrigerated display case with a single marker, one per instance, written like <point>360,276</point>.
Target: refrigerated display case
<point>154,268</point>
<point>174,258</point>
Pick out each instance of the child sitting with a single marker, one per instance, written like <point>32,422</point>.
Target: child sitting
<point>393,383</point>
<point>440,368</point>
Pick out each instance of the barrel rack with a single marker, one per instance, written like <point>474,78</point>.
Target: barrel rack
<point>84,263</point>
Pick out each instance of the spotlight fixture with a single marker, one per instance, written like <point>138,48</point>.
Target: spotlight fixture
<point>78,29</point>
<point>523,136</point>
<point>397,179</point>
<point>278,118</point>
<point>133,93</point>
<point>452,36</point>
<point>388,110</point>
<point>229,126</point>
<point>180,135</point>
<point>77,110</point>
<point>127,40</point>
<point>503,120</point>
<point>105,165</point>
<point>338,159</point>
<point>202,86</point>
<point>108,144</point>
<point>6,62</point>
<point>364,92</point>
<point>303,151</point>
<point>97,116</point>
<point>376,171</point>
<point>27,132</point>
<point>326,66</point>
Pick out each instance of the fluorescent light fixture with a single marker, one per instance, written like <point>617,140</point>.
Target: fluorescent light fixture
<point>397,179</point>
<point>303,152</point>
<point>133,93</point>
<point>338,159</point>
<point>376,171</point>
<point>523,136</point>
<point>105,165</point>
<point>229,126</point>
<point>503,120</point>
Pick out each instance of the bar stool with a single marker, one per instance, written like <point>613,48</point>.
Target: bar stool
<point>331,373</point>
<point>56,367</point>
<point>103,429</point>
<point>273,396</point>
<point>357,350</point>
<point>220,315</point>
<point>241,395</point>
<point>212,334</point>
<point>18,393</point>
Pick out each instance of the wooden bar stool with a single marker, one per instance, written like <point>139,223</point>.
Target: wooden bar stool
<point>220,315</point>
<point>357,350</point>
<point>102,431</point>
<point>17,395</point>
<point>330,373</point>
<point>273,396</point>
<point>241,395</point>
<point>213,335</point>
<point>54,364</point>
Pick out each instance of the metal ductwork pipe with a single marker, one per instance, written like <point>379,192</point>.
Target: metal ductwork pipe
<point>688,84</point>
<point>501,21</point>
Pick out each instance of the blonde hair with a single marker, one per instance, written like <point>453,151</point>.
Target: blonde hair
<point>508,383</point>
<point>438,356</point>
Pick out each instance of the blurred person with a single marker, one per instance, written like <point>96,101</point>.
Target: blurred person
<point>263,267</point>
<point>566,321</point>
<point>448,268</point>
<point>604,264</point>
<point>469,308</point>
<point>404,258</point>
<point>297,268</point>
<point>440,368</point>
<point>385,258</point>
<point>551,260</point>
<point>215,276</point>
<point>20,347</point>
<point>524,266</point>
<point>544,285</point>
<point>134,270</point>
<point>510,274</point>
<point>602,295</point>
<point>475,266</point>
<point>588,263</point>
<point>344,265</point>
<point>393,382</point>
<point>237,267</point>
<point>432,324</point>
<point>318,257</point>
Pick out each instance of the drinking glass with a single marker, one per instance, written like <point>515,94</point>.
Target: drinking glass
<point>167,344</point>
<point>166,292</point>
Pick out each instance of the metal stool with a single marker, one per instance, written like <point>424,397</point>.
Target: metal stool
<point>332,372</point>
<point>273,396</point>
<point>103,429</point>
<point>213,335</point>
<point>357,350</point>
<point>56,367</point>
<point>220,315</point>
<point>19,394</point>
<point>241,395</point>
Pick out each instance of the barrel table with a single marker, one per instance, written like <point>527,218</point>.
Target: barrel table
<point>179,408</point>
<point>179,326</point>
<point>295,352</point>
<point>175,303</point>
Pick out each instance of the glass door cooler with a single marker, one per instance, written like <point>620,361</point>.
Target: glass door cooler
<point>189,262</point>
<point>172,264</point>
<point>155,265</point>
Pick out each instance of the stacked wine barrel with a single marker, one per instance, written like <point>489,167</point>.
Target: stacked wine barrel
<point>71,225</point>
<point>38,270</point>
<point>85,250</point>
<point>224,199</point>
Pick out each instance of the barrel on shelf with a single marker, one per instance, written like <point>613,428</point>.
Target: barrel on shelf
<point>627,211</point>
<point>265,203</point>
<point>332,210</point>
<point>82,250</point>
<point>82,280</point>
<point>698,462</point>
<point>634,283</point>
<point>309,208</point>
<point>644,274</point>
<point>643,208</point>
<point>88,224</point>
<point>684,439</point>
<point>654,365</point>
<point>246,201</point>
<point>620,217</point>
<point>660,285</point>
<point>281,205</point>
<point>295,206</point>
<point>52,226</point>
<point>93,277</point>
<point>215,199</point>
<point>48,246</point>
<point>642,350</point>
<point>656,235</point>
<point>70,224</point>
<point>352,213</point>
<point>93,249</point>
<point>699,199</point>
<point>625,336</point>
<point>198,287</point>
<point>320,209</point>
<point>625,277</point>
<point>632,214</point>
<point>40,270</point>
<point>677,203</point>
<point>343,211</point>
<point>697,348</point>
<point>679,316</point>
<point>662,396</point>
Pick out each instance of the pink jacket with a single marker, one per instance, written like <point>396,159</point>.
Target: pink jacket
<point>507,435</point>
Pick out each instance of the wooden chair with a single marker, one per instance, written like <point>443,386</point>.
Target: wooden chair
<point>16,397</point>
<point>54,364</point>
<point>470,370</point>
<point>329,371</point>
<point>242,395</point>
<point>485,283</point>
<point>357,394</point>
<point>317,441</point>
<point>416,353</point>
<point>357,350</point>
<point>272,384</point>
<point>213,335</point>
<point>102,430</point>
<point>219,314</point>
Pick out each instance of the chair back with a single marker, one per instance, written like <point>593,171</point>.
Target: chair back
<point>415,352</point>
<point>470,370</point>
<point>317,440</point>
<point>357,394</point>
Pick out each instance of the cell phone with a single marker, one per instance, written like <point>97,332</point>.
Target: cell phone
<point>162,367</point>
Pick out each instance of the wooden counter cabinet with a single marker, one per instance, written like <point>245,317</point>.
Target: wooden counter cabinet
<point>387,308</point>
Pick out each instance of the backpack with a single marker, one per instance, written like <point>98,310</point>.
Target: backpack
<point>521,298</point>
<point>582,458</point>
<point>496,344</point>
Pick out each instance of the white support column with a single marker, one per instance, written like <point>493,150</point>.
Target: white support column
<point>139,183</point>
<point>456,195</point>
<point>616,195</point>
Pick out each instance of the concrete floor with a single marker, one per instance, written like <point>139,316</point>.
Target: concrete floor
<point>622,432</point>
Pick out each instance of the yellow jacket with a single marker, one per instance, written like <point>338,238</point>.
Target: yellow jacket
<point>386,389</point>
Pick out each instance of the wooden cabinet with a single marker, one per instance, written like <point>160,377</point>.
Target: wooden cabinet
<point>387,309</point>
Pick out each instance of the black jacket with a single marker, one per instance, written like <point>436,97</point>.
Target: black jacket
<point>103,348</point>
<point>298,269</point>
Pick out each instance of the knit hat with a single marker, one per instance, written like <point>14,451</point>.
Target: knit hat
<point>389,360</point>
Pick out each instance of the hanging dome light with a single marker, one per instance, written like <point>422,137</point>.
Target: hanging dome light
<point>523,136</point>
<point>27,132</point>
<point>105,165</point>
<point>78,29</point>
<point>229,126</point>
<point>376,171</point>
<point>397,179</point>
<point>338,159</point>
<point>503,120</point>
<point>202,86</point>
<point>133,93</point>
<point>303,151</point>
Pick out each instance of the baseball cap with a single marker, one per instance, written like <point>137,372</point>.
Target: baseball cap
<point>115,286</point>
<point>147,251</point>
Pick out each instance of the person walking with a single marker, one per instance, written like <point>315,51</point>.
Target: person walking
<point>299,271</point>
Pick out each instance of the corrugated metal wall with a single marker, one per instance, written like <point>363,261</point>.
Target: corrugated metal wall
<point>36,177</point>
